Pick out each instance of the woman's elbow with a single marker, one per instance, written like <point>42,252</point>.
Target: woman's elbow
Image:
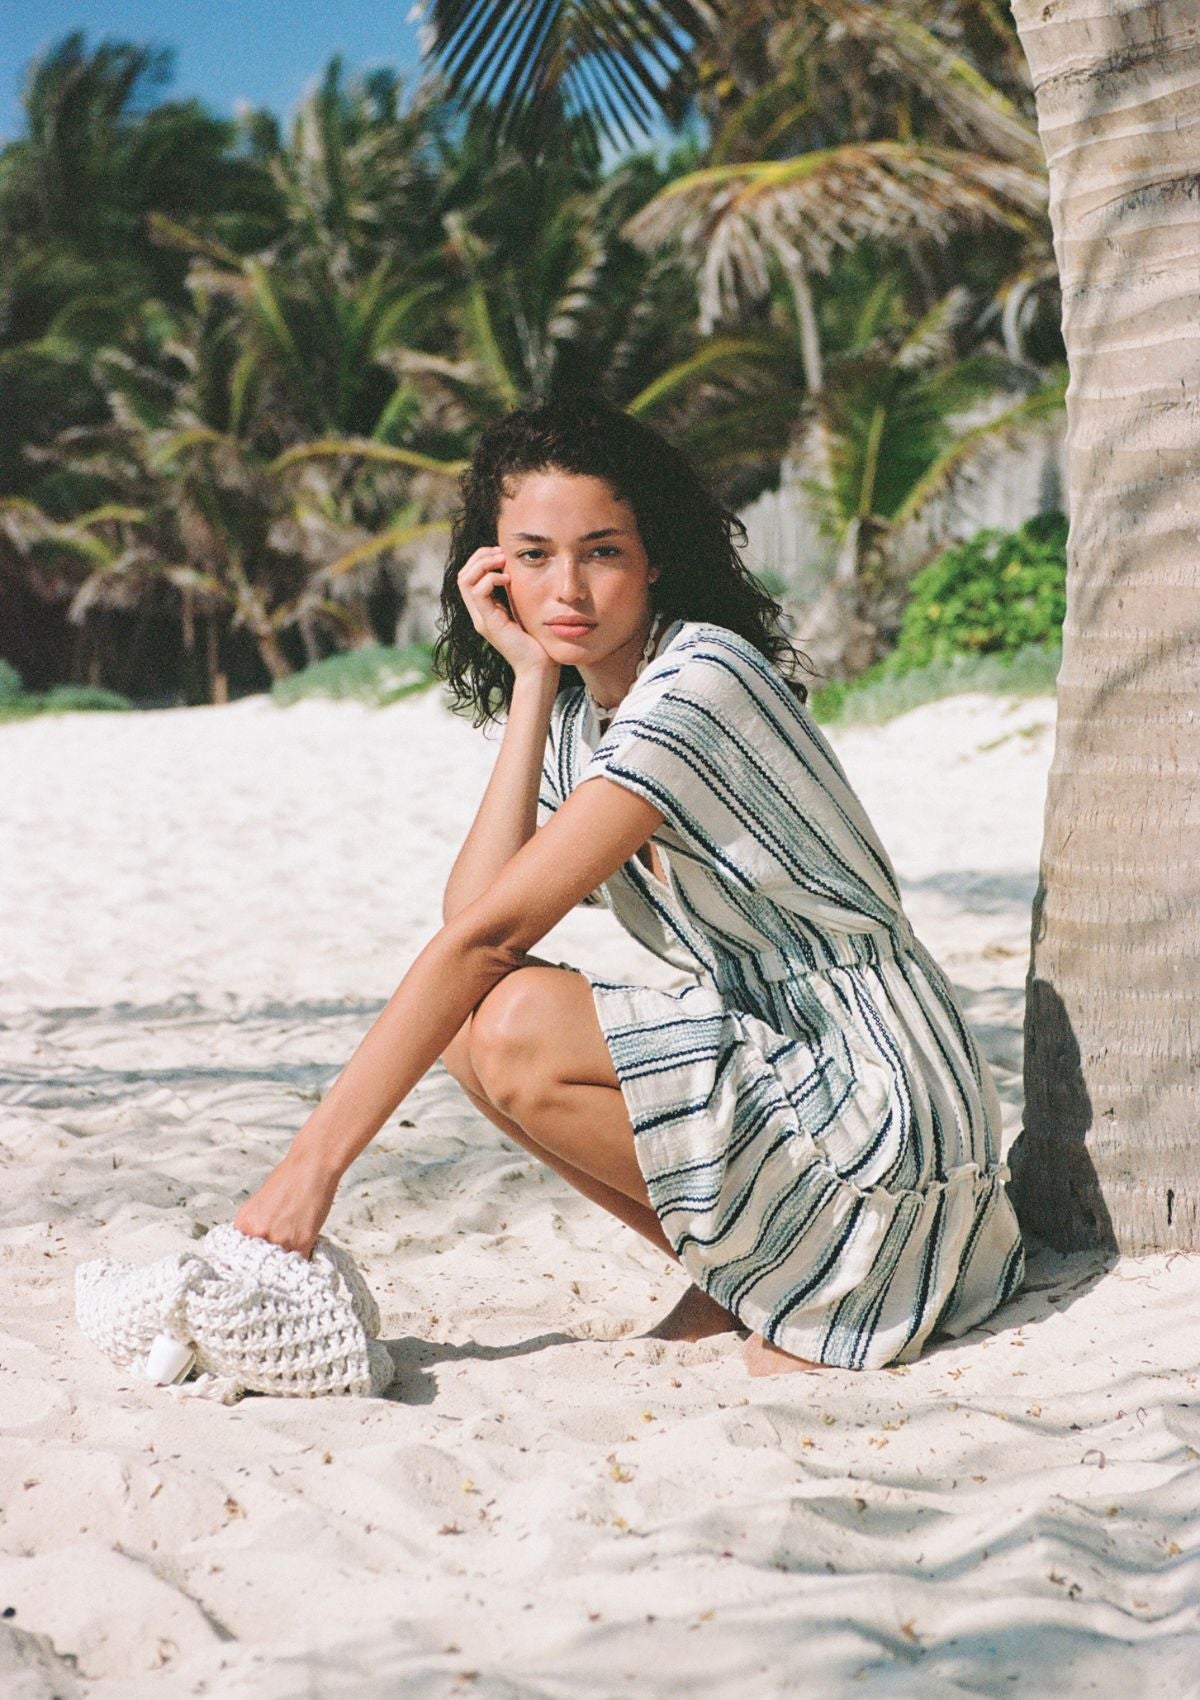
<point>492,947</point>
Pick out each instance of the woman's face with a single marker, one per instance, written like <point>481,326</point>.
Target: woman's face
<point>580,578</point>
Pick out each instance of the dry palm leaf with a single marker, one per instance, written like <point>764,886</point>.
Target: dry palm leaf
<point>733,218</point>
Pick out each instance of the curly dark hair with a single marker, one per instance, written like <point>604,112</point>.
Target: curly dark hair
<point>686,531</point>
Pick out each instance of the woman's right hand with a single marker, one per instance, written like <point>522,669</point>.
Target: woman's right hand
<point>478,581</point>
<point>290,1206</point>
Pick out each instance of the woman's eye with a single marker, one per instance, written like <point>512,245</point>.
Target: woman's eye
<point>537,554</point>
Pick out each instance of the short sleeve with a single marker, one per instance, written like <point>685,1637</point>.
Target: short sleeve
<point>693,736</point>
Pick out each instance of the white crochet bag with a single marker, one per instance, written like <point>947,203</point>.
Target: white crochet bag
<point>243,1310</point>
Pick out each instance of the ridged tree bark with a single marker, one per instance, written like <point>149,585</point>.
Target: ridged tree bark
<point>1110,1152</point>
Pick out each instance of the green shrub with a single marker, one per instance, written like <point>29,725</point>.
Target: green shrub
<point>986,615</point>
<point>376,676</point>
<point>10,682</point>
<point>993,595</point>
<point>62,699</point>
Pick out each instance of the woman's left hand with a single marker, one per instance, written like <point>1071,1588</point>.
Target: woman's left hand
<point>290,1206</point>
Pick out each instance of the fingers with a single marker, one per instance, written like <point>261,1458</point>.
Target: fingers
<point>483,574</point>
<point>494,617</point>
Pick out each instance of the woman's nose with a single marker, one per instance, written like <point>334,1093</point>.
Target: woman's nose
<point>570,579</point>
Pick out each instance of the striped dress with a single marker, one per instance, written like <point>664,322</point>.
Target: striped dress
<point>816,1126</point>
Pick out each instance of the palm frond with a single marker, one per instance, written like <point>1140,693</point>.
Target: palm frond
<point>170,447</point>
<point>732,218</point>
<point>272,315</point>
<point>396,537</point>
<point>185,577</point>
<point>974,108</point>
<point>931,340</point>
<point>579,294</point>
<point>331,447</point>
<point>608,62</point>
<point>718,352</point>
<point>109,513</point>
<point>482,333</point>
<point>169,233</point>
<point>1041,408</point>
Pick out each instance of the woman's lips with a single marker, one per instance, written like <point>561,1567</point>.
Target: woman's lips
<point>571,628</point>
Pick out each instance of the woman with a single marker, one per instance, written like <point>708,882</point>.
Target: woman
<point>806,1123</point>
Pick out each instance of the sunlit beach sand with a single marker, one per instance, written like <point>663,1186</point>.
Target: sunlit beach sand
<point>202,911</point>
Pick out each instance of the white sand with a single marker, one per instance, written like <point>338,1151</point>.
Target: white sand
<point>201,912</point>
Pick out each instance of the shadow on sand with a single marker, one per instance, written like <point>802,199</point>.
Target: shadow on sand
<point>415,1360</point>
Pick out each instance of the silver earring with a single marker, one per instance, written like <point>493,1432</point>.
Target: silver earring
<point>651,644</point>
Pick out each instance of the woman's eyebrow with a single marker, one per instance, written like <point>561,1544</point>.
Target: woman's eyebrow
<point>588,536</point>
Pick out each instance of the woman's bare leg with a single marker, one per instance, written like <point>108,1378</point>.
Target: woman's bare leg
<point>641,1219</point>
<point>534,1059</point>
<point>577,1124</point>
<point>695,1316</point>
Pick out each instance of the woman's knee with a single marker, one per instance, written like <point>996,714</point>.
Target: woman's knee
<point>506,1029</point>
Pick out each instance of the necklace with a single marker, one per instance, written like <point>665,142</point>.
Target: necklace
<point>601,710</point>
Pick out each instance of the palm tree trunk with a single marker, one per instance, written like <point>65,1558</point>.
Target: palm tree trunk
<point>1110,1152</point>
<point>308,635</point>
<point>810,331</point>
<point>271,651</point>
<point>218,679</point>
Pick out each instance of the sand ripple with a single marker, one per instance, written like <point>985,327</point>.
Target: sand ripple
<point>203,911</point>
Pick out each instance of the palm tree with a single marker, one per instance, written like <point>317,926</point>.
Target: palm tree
<point>1109,1154</point>
<point>889,414</point>
<point>610,67</point>
<point>96,163</point>
<point>191,395</point>
<point>539,293</point>
<point>79,193</point>
<point>835,123</point>
<point>735,219</point>
<point>356,174</point>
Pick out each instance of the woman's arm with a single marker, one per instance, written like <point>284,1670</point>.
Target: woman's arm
<point>507,815</point>
<point>597,829</point>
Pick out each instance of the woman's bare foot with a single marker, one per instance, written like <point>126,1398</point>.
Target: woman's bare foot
<point>695,1317</point>
<point>763,1359</point>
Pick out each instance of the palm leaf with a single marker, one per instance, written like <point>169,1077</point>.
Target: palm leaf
<point>609,62</point>
<point>394,538</point>
<point>733,218</point>
<point>173,446</point>
<point>718,352</point>
<point>973,107</point>
<point>931,340</point>
<point>486,347</point>
<point>169,233</point>
<point>108,512</point>
<point>191,578</point>
<point>273,317</point>
<point>1038,409</point>
<point>327,448</point>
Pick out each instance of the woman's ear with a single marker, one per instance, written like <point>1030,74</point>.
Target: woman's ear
<point>653,575</point>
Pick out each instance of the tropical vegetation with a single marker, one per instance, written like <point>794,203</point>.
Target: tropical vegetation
<point>986,614</point>
<point>1108,1156</point>
<point>246,365</point>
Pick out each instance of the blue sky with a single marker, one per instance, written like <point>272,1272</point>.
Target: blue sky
<point>226,51</point>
